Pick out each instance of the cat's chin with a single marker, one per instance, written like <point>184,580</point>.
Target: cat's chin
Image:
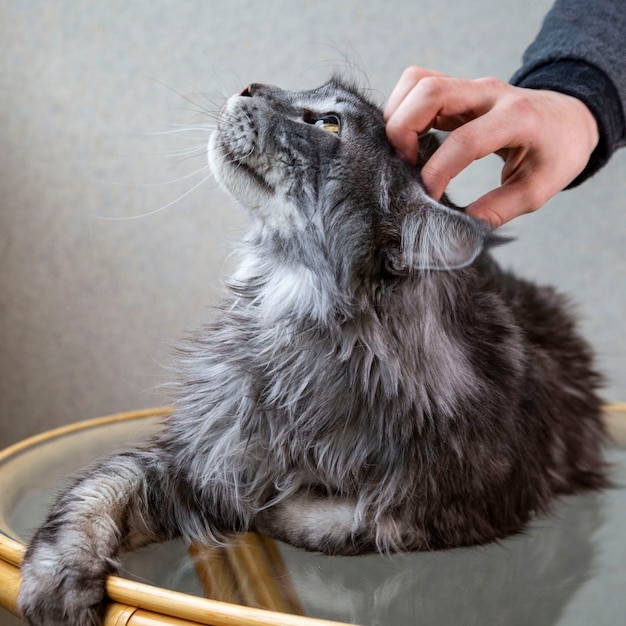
<point>235,176</point>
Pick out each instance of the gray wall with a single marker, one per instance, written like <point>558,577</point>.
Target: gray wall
<point>92,294</point>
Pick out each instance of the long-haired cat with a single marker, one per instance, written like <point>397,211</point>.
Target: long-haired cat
<point>373,381</point>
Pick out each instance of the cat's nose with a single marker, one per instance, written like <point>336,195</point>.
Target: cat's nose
<point>249,90</point>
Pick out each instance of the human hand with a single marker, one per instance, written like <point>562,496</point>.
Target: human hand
<point>545,137</point>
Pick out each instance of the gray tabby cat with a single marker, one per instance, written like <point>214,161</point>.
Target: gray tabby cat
<point>372,382</point>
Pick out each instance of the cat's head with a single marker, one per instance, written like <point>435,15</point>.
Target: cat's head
<point>328,194</point>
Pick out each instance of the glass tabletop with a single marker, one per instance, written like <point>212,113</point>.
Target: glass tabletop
<point>568,569</point>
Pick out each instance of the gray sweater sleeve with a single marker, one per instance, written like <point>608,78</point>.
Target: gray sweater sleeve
<point>581,51</point>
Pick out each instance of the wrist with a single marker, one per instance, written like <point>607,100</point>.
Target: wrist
<point>595,92</point>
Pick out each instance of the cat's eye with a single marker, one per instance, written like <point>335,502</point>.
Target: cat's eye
<point>329,123</point>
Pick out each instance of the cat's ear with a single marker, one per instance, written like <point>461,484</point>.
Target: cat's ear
<point>434,237</point>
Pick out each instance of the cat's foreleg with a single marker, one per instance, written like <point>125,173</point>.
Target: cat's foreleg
<point>116,506</point>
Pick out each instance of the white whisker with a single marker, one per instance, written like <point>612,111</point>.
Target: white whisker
<point>203,130</point>
<point>162,183</point>
<point>155,211</point>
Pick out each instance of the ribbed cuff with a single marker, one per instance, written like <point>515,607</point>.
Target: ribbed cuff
<point>593,87</point>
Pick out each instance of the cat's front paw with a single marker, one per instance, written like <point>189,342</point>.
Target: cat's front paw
<point>62,590</point>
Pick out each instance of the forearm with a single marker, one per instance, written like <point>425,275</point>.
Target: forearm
<point>581,51</point>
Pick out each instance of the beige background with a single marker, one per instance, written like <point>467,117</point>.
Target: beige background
<point>92,296</point>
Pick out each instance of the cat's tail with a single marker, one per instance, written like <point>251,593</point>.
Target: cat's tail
<point>115,506</point>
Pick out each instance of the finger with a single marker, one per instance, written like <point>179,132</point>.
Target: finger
<point>435,100</point>
<point>409,78</point>
<point>468,143</point>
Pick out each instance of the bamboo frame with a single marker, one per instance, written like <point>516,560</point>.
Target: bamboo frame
<point>250,572</point>
<point>138,604</point>
<point>253,558</point>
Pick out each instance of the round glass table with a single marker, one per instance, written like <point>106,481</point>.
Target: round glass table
<point>568,569</point>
